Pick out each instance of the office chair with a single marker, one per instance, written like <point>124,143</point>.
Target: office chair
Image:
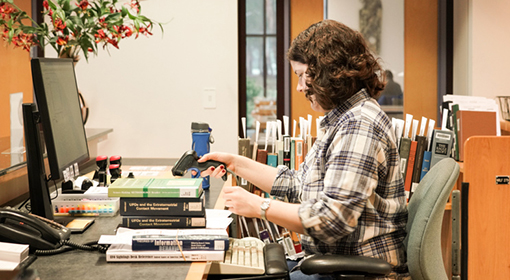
<point>423,240</point>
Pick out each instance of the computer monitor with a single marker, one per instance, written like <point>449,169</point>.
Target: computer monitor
<point>58,111</point>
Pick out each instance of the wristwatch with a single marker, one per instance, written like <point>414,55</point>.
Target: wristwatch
<point>263,208</point>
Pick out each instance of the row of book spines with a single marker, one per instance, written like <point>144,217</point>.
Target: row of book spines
<point>166,222</point>
<point>116,254</point>
<point>190,207</point>
<point>274,233</point>
<point>169,193</point>
<point>289,151</point>
<point>416,157</point>
<point>414,162</point>
<point>205,243</point>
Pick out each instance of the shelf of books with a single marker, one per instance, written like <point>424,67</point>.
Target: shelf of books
<point>280,148</point>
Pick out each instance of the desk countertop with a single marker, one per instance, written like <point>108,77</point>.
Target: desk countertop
<point>79,264</point>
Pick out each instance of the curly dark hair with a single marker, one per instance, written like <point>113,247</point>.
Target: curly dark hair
<point>339,63</point>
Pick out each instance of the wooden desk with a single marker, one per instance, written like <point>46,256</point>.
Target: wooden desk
<point>93,265</point>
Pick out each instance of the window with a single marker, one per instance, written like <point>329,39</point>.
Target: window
<point>262,65</point>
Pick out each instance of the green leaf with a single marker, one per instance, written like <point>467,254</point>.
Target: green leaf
<point>75,20</point>
<point>124,11</point>
<point>52,5</point>
<point>66,5</point>
<point>113,17</point>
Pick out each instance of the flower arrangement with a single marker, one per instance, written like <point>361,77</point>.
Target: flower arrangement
<point>74,26</point>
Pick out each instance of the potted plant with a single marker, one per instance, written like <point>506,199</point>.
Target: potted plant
<point>74,26</point>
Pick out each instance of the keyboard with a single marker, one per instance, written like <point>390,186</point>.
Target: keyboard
<point>251,256</point>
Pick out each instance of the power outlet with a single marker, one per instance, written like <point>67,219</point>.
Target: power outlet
<point>209,98</point>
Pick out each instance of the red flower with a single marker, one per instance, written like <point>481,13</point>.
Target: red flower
<point>83,4</point>
<point>100,34</point>
<point>113,43</point>
<point>23,40</point>
<point>127,31</point>
<point>144,31</point>
<point>62,41</point>
<point>102,22</point>
<point>46,5</point>
<point>6,32</point>
<point>135,5</point>
<point>6,9</point>
<point>59,25</point>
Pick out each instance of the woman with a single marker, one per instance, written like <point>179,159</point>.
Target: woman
<point>348,195</point>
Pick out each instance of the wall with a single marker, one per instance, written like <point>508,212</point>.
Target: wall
<point>15,77</point>
<point>421,47</point>
<point>392,30</point>
<point>461,48</point>
<point>303,13</point>
<point>151,89</point>
<point>486,71</point>
<point>489,52</point>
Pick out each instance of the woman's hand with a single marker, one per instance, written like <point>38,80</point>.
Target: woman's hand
<point>218,172</point>
<point>241,202</point>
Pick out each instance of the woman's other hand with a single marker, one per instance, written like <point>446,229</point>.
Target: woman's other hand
<point>241,202</point>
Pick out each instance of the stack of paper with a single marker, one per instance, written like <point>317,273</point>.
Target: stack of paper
<point>11,255</point>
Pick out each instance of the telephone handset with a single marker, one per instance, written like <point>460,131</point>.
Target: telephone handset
<point>39,233</point>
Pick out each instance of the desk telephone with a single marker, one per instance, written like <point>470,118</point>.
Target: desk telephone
<point>39,233</point>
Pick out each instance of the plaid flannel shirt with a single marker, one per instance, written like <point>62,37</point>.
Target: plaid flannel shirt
<point>350,187</point>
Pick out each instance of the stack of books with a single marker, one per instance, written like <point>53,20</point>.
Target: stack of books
<point>164,220</point>
<point>160,202</point>
<point>168,245</point>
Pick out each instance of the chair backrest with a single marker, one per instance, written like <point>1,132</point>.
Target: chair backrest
<point>426,211</point>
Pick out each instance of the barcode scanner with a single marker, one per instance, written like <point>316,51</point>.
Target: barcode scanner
<point>189,160</point>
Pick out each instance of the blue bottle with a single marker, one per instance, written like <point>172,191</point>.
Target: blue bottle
<point>201,135</point>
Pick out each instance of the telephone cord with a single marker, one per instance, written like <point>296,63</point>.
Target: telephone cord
<point>67,245</point>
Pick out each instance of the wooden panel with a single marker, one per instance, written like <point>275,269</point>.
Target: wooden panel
<point>420,59</point>
<point>16,75</point>
<point>487,157</point>
<point>303,13</point>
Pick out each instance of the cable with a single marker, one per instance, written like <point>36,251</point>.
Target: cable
<point>67,245</point>
<point>23,204</point>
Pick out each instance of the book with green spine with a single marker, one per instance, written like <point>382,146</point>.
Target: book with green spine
<point>156,187</point>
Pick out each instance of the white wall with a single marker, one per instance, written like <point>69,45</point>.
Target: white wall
<point>490,40</point>
<point>480,45</point>
<point>151,89</point>
<point>392,30</point>
<point>461,48</point>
